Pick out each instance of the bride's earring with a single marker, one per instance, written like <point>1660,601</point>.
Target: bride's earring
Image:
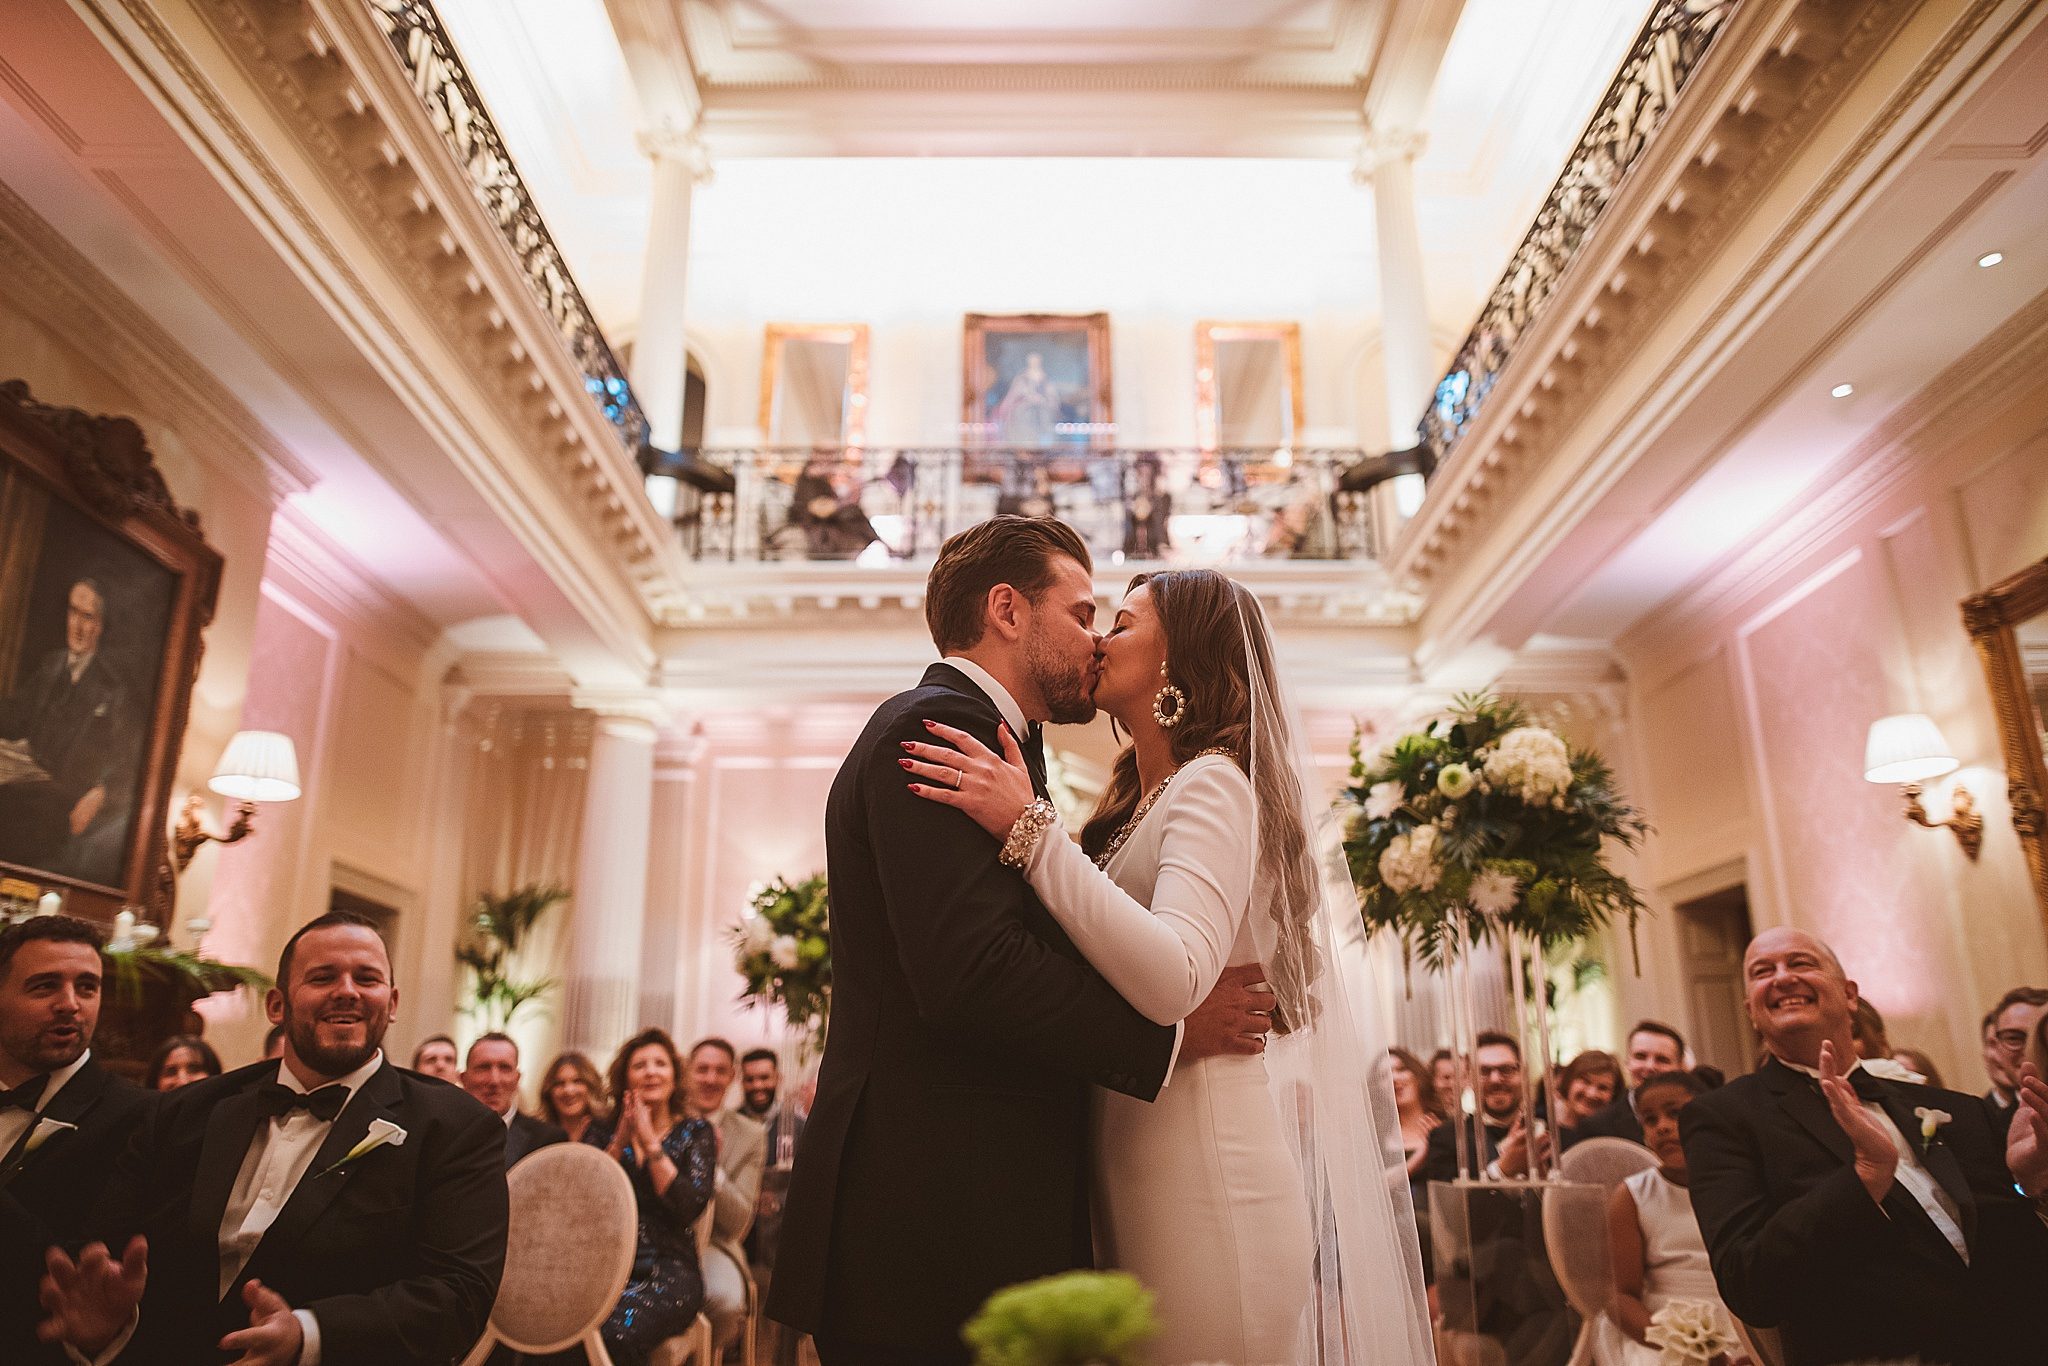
<point>1168,696</point>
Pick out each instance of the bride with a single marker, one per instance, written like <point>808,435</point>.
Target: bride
<point>1261,1199</point>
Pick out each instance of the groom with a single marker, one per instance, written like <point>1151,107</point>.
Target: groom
<point>947,1153</point>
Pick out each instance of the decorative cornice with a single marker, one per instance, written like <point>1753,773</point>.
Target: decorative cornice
<point>1382,146</point>
<point>49,279</point>
<point>683,146</point>
<point>1761,93</point>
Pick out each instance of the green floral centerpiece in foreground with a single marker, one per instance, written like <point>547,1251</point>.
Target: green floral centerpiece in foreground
<point>1079,1318</point>
<point>784,952</point>
<point>1490,823</point>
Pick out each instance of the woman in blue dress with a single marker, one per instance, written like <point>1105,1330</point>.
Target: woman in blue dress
<point>672,1162</point>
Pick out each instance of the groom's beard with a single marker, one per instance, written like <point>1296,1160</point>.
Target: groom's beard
<point>1068,689</point>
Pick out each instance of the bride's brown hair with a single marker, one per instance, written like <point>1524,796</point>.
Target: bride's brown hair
<point>1211,622</point>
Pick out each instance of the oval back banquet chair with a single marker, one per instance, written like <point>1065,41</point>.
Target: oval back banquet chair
<point>1575,1228</point>
<point>693,1346</point>
<point>568,1253</point>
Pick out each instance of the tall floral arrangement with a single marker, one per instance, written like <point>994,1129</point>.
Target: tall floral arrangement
<point>1488,822</point>
<point>784,951</point>
<point>498,925</point>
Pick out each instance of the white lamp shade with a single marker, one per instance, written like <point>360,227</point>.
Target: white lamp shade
<point>259,766</point>
<point>1907,748</point>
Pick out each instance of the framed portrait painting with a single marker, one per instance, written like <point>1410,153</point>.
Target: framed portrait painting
<point>105,588</point>
<point>1037,382</point>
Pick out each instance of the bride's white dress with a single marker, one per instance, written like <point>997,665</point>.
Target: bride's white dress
<point>1196,1194</point>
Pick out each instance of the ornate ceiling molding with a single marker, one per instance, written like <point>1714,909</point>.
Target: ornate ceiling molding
<point>1762,91</point>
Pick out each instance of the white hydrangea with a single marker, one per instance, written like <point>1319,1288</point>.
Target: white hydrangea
<point>1383,800</point>
<point>1532,763</point>
<point>783,952</point>
<point>756,935</point>
<point>1409,863</point>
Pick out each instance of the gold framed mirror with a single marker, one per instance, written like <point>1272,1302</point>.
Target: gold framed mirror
<point>814,385</point>
<point>2008,624</point>
<point>1248,385</point>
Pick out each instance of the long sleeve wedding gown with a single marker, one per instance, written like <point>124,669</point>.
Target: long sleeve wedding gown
<point>1195,1194</point>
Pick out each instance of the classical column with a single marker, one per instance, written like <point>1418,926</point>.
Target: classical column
<point>609,913</point>
<point>659,345</point>
<point>1386,162</point>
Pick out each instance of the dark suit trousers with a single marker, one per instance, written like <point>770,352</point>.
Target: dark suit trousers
<point>839,1352</point>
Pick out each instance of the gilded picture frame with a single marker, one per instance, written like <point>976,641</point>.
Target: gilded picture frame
<point>1036,386</point>
<point>1993,618</point>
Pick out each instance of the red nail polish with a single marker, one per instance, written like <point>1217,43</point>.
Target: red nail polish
<point>904,762</point>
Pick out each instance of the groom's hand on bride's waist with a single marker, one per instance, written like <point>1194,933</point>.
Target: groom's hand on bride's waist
<point>1235,1018</point>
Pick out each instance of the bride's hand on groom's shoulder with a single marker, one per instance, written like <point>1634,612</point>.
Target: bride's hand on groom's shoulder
<point>993,789</point>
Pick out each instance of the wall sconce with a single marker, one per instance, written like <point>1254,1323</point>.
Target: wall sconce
<point>259,766</point>
<point>1909,749</point>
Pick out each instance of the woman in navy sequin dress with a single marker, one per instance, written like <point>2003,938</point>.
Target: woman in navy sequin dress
<point>672,1162</point>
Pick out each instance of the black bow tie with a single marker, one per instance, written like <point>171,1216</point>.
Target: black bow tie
<point>324,1104</point>
<point>25,1096</point>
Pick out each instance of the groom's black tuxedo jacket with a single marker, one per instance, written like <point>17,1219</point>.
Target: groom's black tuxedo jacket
<point>397,1254</point>
<point>47,1196</point>
<point>1798,1244</point>
<point>947,1153</point>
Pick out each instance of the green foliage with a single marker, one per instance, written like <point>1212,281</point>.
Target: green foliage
<point>192,977</point>
<point>1555,852</point>
<point>1073,1319</point>
<point>788,918</point>
<point>496,929</point>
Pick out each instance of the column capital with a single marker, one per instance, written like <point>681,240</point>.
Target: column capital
<point>629,714</point>
<point>1386,146</point>
<point>683,146</point>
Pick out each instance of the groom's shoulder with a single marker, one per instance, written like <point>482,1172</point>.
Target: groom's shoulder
<point>928,701</point>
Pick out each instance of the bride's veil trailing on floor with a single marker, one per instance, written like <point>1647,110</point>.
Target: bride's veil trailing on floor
<point>1328,1057</point>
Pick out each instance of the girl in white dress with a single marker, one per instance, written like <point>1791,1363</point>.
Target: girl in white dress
<point>1659,1254</point>
<point>1242,1197</point>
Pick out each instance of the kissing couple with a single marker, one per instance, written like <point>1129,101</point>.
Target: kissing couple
<point>1155,1050</point>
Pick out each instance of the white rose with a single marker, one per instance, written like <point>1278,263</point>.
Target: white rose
<point>1384,800</point>
<point>756,935</point>
<point>782,952</point>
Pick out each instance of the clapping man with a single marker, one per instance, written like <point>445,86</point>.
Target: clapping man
<point>63,1119</point>
<point>1498,1148</point>
<point>326,1209</point>
<point>1866,1218</point>
<point>742,1149</point>
<point>491,1074</point>
<point>2007,1028</point>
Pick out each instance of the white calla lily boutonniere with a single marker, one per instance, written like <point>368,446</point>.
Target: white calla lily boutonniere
<point>46,1129</point>
<point>1931,1121</point>
<point>383,1134</point>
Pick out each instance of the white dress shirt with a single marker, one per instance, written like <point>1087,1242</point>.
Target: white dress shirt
<point>1912,1173</point>
<point>15,1123</point>
<point>277,1160</point>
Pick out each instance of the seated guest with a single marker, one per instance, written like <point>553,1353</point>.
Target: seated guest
<point>1831,1212</point>
<point>1659,1256</point>
<point>1867,1032</point>
<point>1585,1087</point>
<point>2006,1030</point>
<point>181,1060</point>
<point>1499,1145</point>
<point>1653,1048</point>
<point>329,1208</point>
<point>742,1152</point>
<point>1919,1067</point>
<point>762,1100</point>
<point>436,1057</point>
<point>273,1043</point>
<point>572,1096</point>
<point>1443,1072</point>
<point>491,1074</point>
<point>1415,1100</point>
<point>671,1159</point>
<point>63,1119</point>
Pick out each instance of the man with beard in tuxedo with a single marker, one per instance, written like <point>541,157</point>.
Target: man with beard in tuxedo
<point>1864,1218</point>
<point>329,1209</point>
<point>947,1153</point>
<point>64,1120</point>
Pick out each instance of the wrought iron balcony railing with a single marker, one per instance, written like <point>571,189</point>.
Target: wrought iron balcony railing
<point>458,112</point>
<point>1663,57</point>
<point>876,504</point>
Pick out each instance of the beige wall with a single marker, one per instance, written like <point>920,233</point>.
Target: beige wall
<point>1747,727</point>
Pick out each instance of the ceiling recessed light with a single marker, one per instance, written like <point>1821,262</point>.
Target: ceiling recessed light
<point>1843,390</point>
<point>1990,258</point>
